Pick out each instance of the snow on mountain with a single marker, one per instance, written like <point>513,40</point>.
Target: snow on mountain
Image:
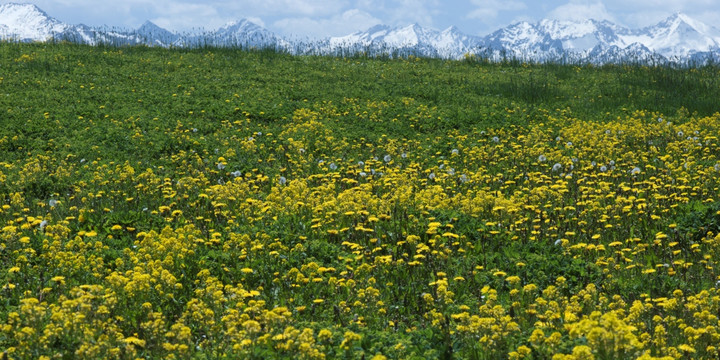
<point>678,38</point>
<point>523,41</point>
<point>242,33</point>
<point>151,34</point>
<point>26,22</point>
<point>449,43</point>
<point>675,38</point>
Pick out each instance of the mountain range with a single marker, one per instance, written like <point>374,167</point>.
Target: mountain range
<point>678,39</point>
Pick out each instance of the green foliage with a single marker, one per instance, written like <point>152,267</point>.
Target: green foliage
<point>221,203</point>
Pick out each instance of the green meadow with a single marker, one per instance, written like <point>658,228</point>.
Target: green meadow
<point>224,203</point>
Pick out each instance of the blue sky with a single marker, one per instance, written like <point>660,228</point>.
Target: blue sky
<point>319,18</point>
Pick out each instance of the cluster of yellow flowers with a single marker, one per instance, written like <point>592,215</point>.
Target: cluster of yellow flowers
<point>563,239</point>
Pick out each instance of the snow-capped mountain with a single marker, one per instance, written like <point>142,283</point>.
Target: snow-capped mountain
<point>26,22</point>
<point>151,34</point>
<point>449,43</point>
<point>678,38</point>
<point>242,33</point>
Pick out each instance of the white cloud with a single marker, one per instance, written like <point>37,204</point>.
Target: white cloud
<point>183,16</point>
<point>642,13</point>
<point>342,24</point>
<point>404,12</point>
<point>581,10</point>
<point>304,8</point>
<point>489,10</point>
<point>414,11</point>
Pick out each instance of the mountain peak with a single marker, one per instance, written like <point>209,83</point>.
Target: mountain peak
<point>149,25</point>
<point>240,23</point>
<point>28,22</point>
<point>155,35</point>
<point>376,28</point>
<point>677,38</point>
<point>678,19</point>
<point>452,29</point>
<point>21,7</point>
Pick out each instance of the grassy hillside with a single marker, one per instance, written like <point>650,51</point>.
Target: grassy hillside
<point>247,204</point>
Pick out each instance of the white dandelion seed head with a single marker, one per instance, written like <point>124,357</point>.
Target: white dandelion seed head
<point>603,168</point>
<point>496,139</point>
<point>593,163</point>
<point>717,167</point>
<point>431,176</point>
<point>403,155</point>
<point>259,133</point>
<point>608,132</point>
<point>558,138</point>
<point>660,119</point>
<point>282,180</point>
<point>569,144</point>
<point>680,133</point>
<point>194,130</point>
<point>451,171</point>
<point>250,138</point>
<point>387,158</point>
<point>221,181</point>
<point>557,167</point>
<point>220,166</point>
<point>302,151</point>
<point>361,163</point>
<point>558,242</point>
<point>43,224</point>
<point>442,166</point>
<point>362,174</point>
<point>333,166</point>
<point>463,178</point>
<point>611,162</point>
<point>52,203</point>
<point>635,170</point>
<point>542,158</point>
<point>236,173</point>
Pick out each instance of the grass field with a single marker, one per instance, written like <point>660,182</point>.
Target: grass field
<point>221,203</point>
